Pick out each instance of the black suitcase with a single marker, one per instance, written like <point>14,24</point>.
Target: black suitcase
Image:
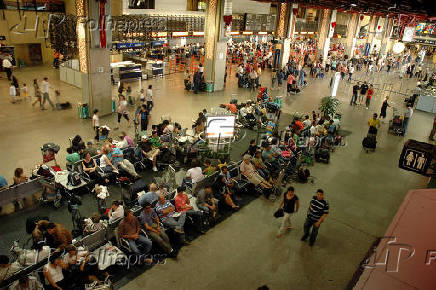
<point>369,143</point>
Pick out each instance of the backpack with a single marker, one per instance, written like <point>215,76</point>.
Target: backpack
<point>74,179</point>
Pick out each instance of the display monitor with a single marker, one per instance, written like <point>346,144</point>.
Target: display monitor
<point>220,126</point>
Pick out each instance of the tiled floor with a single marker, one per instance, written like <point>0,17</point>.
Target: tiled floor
<point>364,190</point>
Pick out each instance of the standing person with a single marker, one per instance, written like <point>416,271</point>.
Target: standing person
<point>407,115</point>
<point>96,124</point>
<point>363,91</point>
<point>279,77</point>
<point>384,107</point>
<point>45,94</point>
<point>316,213</point>
<point>290,205</point>
<point>433,131</point>
<point>253,76</point>
<point>13,93</point>
<point>350,72</point>
<point>142,117</point>
<point>369,96</point>
<point>25,91</point>
<point>149,97</point>
<point>7,66</point>
<point>16,85</point>
<point>58,99</point>
<point>291,79</point>
<point>37,93</point>
<point>273,78</point>
<point>122,110</point>
<point>356,89</point>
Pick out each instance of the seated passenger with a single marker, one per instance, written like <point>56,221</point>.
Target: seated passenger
<point>119,161</point>
<point>57,236</point>
<point>249,171</point>
<point>128,139</point>
<point>183,204</point>
<point>93,225</point>
<point>168,216</point>
<point>307,123</point>
<point>91,149</point>
<point>206,201</point>
<point>332,128</point>
<point>130,229</point>
<point>3,183</point>
<point>252,148</point>
<point>167,127</point>
<point>7,269</point>
<point>155,139</point>
<point>105,163</point>
<point>54,278</point>
<point>259,165</point>
<point>150,197</point>
<point>27,282</point>
<point>72,157</point>
<point>116,212</point>
<point>150,152</point>
<point>209,168</point>
<point>194,174</point>
<point>226,188</point>
<point>19,176</point>
<point>89,166</point>
<point>151,224</point>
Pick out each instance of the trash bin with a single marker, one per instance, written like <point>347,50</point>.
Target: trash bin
<point>114,106</point>
<point>209,87</point>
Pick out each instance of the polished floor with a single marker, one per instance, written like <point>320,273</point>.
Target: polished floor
<point>364,190</point>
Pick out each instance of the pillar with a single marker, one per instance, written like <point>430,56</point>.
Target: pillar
<point>94,57</point>
<point>372,33</point>
<point>352,32</point>
<point>215,43</point>
<point>386,38</point>
<point>326,31</point>
<point>281,21</point>
<point>292,19</point>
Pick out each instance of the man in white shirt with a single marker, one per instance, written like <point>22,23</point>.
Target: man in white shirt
<point>116,212</point>
<point>194,174</point>
<point>45,94</point>
<point>7,66</point>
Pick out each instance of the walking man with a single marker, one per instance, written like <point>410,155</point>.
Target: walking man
<point>45,94</point>
<point>363,90</point>
<point>316,213</point>
<point>407,115</point>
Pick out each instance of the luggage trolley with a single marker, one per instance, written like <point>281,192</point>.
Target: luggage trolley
<point>396,125</point>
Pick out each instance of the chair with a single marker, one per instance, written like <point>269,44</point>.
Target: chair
<point>100,170</point>
<point>123,244</point>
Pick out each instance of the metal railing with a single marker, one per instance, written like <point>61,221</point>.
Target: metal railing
<point>35,5</point>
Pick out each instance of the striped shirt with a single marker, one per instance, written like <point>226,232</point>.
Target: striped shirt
<point>317,208</point>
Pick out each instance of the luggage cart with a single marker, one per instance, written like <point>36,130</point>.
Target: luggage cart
<point>396,124</point>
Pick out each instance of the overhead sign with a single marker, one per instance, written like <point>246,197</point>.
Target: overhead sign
<point>220,126</point>
<point>418,157</point>
<point>127,45</point>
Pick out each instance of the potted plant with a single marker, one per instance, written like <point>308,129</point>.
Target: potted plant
<point>329,106</point>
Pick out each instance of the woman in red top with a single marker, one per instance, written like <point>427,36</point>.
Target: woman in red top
<point>369,95</point>
<point>291,78</point>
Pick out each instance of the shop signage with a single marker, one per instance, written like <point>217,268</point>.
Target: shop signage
<point>127,45</point>
<point>157,43</point>
<point>2,37</point>
<point>418,157</point>
<point>425,41</point>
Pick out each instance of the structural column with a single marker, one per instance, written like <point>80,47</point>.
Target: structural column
<point>352,32</point>
<point>326,31</point>
<point>386,35</point>
<point>94,39</point>
<point>292,19</point>
<point>371,33</point>
<point>216,43</point>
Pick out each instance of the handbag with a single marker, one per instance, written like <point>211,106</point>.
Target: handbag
<point>279,213</point>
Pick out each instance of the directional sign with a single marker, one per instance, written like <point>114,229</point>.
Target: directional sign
<point>418,157</point>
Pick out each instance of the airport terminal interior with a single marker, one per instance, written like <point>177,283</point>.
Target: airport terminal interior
<point>217,144</point>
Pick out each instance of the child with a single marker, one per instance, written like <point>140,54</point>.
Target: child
<point>13,93</point>
<point>58,101</point>
<point>96,124</point>
<point>38,97</point>
<point>25,93</point>
<point>149,95</point>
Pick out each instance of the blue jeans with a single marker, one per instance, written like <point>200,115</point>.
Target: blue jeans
<point>406,124</point>
<point>141,240</point>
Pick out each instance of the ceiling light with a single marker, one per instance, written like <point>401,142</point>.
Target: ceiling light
<point>353,5</point>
